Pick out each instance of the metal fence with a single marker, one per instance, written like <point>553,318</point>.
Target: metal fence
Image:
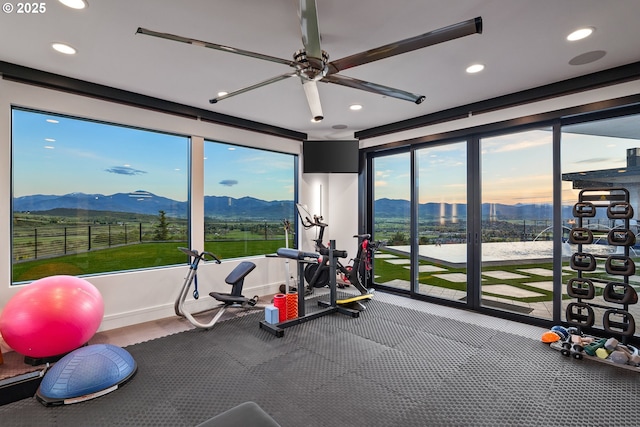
<point>50,241</point>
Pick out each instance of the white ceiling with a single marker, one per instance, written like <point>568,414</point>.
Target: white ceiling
<point>522,46</point>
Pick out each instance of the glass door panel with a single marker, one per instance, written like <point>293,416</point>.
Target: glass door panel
<point>392,220</point>
<point>442,221</point>
<point>517,223</point>
<point>601,154</point>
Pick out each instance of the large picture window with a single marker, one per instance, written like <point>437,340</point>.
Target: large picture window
<point>249,195</point>
<point>92,197</point>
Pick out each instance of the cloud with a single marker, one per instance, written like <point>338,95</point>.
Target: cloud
<point>228,182</point>
<point>124,170</point>
<point>596,160</point>
<point>522,145</point>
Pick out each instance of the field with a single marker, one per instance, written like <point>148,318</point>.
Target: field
<point>90,242</point>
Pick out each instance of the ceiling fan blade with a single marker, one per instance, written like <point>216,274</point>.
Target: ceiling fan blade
<point>461,29</point>
<point>373,87</point>
<point>313,98</point>
<point>255,86</point>
<point>310,28</point>
<point>214,46</point>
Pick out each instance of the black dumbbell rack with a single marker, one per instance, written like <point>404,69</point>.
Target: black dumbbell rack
<point>617,294</point>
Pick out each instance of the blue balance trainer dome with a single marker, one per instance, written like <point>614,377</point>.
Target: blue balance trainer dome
<point>86,373</point>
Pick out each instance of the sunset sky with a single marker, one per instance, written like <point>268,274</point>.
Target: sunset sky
<point>58,155</point>
<point>516,168</point>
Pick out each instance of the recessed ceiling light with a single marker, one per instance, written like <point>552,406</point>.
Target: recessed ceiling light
<point>49,147</point>
<point>63,48</point>
<point>52,121</point>
<point>50,140</point>
<point>475,68</point>
<point>580,34</point>
<point>74,4</point>
<point>355,107</point>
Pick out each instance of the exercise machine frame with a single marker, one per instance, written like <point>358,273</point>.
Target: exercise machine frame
<point>330,307</point>
<point>227,300</point>
<point>356,274</point>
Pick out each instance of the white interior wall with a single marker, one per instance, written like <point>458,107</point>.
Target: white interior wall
<point>335,197</point>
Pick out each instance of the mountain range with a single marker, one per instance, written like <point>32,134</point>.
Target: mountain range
<point>144,202</point>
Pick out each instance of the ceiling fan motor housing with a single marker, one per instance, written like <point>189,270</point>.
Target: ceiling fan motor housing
<point>309,68</point>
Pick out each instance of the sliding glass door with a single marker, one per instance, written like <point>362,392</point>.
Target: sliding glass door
<point>602,154</point>
<point>392,219</point>
<point>517,223</point>
<point>441,175</point>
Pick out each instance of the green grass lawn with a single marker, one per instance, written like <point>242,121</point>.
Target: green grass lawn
<point>133,257</point>
<point>385,272</point>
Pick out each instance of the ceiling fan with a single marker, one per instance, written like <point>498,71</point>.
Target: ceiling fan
<point>312,64</point>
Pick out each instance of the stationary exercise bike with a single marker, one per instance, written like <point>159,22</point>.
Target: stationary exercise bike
<point>357,274</point>
<point>234,299</point>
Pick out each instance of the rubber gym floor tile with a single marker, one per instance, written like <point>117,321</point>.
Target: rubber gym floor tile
<point>392,366</point>
<point>345,348</point>
<point>353,400</point>
<point>445,354</point>
<point>299,371</point>
<point>386,332</point>
<point>464,401</point>
<point>409,376</point>
<point>466,333</point>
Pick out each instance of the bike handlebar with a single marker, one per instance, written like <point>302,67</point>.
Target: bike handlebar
<point>296,254</point>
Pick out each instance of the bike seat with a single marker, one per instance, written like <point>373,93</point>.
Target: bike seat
<point>363,236</point>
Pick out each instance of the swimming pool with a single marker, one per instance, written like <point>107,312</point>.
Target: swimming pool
<point>456,253</point>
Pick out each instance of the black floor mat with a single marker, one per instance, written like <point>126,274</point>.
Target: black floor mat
<point>392,366</point>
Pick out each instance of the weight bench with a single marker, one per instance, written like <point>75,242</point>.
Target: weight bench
<point>236,280</point>
<point>247,414</point>
<point>234,299</point>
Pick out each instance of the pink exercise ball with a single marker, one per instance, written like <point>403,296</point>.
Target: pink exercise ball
<point>52,316</point>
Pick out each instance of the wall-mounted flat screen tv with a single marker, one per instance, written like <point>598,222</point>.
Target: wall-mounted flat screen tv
<point>330,156</point>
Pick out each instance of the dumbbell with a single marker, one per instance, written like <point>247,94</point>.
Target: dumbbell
<point>573,350</point>
<point>621,237</point>
<point>622,354</point>
<point>619,293</point>
<point>619,210</point>
<point>572,347</point>
<point>580,313</point>
<point>632,354</point>
<point>618,322</point>
<point>590,349</point>
<point>619,265</point>
<point>584,210</point>
<point>580,235</point>
<point>581,261</point>
<point>581,288</point>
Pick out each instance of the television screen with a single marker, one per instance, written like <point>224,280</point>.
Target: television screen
<point>330,156</point>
